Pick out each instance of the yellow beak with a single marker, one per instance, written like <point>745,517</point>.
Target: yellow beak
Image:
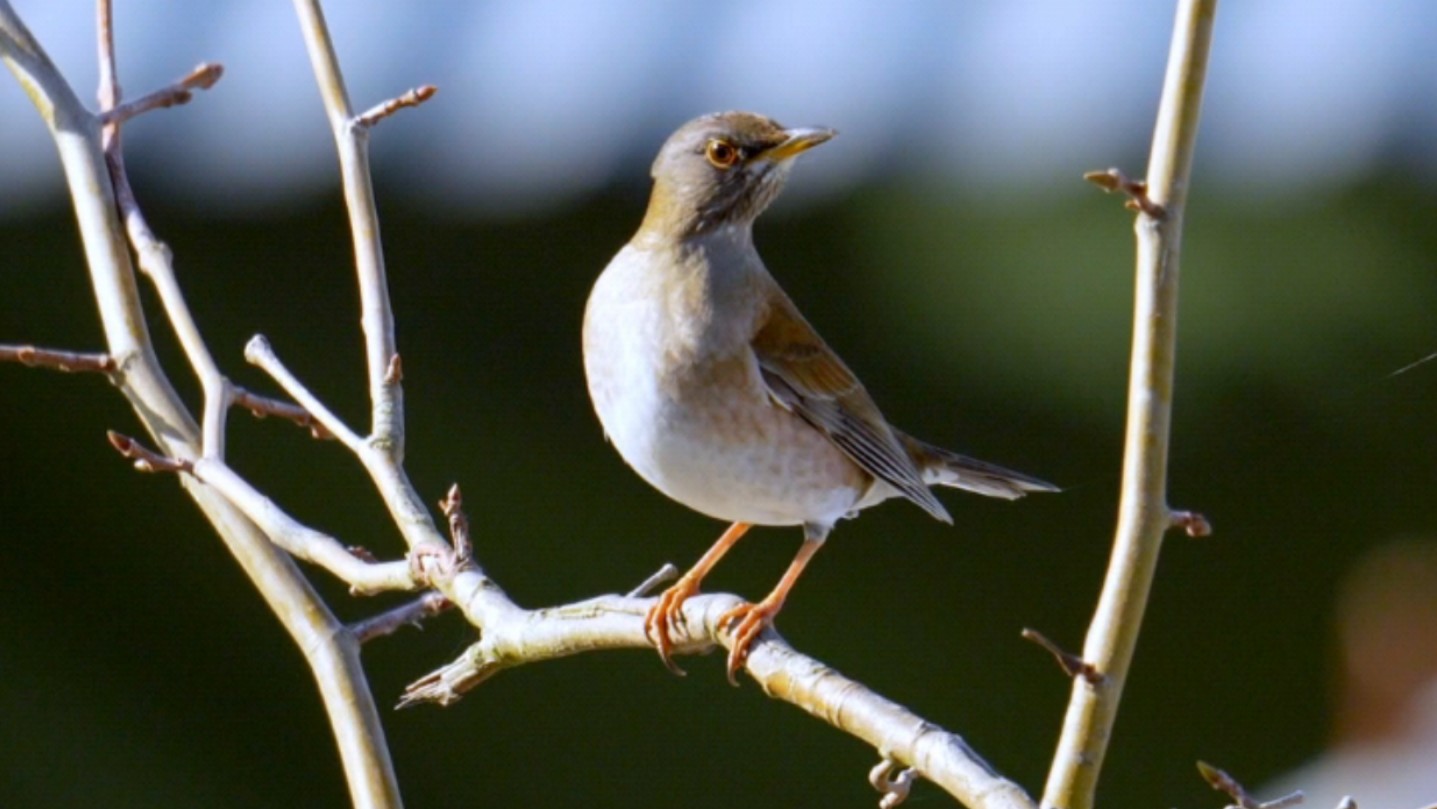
<point>798,140</point>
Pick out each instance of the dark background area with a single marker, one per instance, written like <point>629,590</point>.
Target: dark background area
<point>138,668</point>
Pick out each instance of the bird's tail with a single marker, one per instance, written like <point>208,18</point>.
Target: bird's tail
<point>943,468</point>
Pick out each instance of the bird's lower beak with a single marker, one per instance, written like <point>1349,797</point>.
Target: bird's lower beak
<point>799,140</point>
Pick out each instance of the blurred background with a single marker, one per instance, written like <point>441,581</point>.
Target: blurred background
<point>944,244</point>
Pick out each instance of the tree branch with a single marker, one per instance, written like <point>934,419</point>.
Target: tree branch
<point>332,655</point>
<point>1144,515</point>
<point>58,360</point>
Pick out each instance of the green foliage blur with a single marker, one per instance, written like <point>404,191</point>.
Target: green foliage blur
<point>137,667</point>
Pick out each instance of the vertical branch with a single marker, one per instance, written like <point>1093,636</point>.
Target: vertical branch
<point>1144,515</point>
<point>332,654</point>
<point>351,140</point>
<point>383,455</point>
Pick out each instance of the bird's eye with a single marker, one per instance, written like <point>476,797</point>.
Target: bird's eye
<point>721,153</point>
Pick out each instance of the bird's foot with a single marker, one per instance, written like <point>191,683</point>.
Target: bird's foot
<point>750,620</point>
<point>666,616</point>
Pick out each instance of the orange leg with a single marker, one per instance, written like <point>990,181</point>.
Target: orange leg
<point>667,613</point>
<point>754,618</point>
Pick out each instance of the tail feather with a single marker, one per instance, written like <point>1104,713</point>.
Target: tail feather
<point>944,468</point>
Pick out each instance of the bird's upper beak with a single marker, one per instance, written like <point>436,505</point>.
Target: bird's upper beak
<point>799,139</point>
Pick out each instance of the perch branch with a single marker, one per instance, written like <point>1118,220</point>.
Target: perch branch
<point>1143,512</point>
<point>511,637</point>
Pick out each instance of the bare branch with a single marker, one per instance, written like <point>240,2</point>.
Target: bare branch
<point>379,112</point>
<point>352,144</point>
<point>410,614</point>
<point>511,637</point>
<point>1071,664</point>
<point>203,77</point>
<point>57,360</point>
<point>362,575</point>
<point>263,406</point>
<point>1144,515</point>
<point>146,459</point>
<point>1114,180</point>
<point>663,575</point>
<point>1192,523</point>
<point>1222,782</point>
<point>258,352</point>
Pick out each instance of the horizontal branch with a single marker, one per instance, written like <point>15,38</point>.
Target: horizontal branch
<point>379,112</point>
<point>57,360</point>
<point>203,77</point>
<point>511,637</point>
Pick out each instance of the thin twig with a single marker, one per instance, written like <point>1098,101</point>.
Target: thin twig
<point>154,256</point>
<point>379,112</point>
<point>1071,664</point>
<point>57,360</point>
<point>412,614</point>
<point>663,575</point>
<point>364,576</point>
<point>1114,180</point>
<point>1144,515</point>
<point>146,459</point>
<point>203,77</point>
<point>263,407</point>
<point>1192,523</point>
<point>1222,782</point>
<point>258,352</point>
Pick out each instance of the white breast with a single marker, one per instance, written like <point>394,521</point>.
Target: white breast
<point>723,450</point>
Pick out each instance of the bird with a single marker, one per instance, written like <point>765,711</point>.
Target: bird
<point>717,392</point>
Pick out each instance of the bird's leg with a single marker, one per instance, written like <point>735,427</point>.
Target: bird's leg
<point>753,618</point>
<point>667,613</point>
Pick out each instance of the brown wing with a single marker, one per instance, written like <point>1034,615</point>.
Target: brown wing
<point>805,376</point>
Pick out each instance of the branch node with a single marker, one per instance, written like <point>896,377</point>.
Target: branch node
<point>1222,782</point>
<point>394,372</point>
<point>1071,664</point>
<point>1193,523</point>
<point>432,563</point>
<point>663,575</point>
<point>146,460</point>
<point>379,112</point>
<point>1115,181</point>
<point>895,787</point>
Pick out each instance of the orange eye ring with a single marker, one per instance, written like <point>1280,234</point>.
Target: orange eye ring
<point>721,153</point>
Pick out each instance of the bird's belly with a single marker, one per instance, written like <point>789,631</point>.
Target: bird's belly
<point>712,438</point>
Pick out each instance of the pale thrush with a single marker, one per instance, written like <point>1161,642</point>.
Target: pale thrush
<point>716,390</point>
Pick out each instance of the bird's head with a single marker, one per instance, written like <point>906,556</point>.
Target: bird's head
<point>722,169</point>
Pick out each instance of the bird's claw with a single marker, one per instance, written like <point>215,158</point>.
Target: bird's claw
<point>665,618</point>
<point>752,619</point>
